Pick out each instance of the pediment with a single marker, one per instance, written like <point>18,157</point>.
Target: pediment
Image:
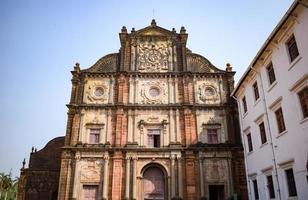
<point>154,30</point>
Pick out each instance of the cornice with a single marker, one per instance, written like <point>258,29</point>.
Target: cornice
<point>149,107</point>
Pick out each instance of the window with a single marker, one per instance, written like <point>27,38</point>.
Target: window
<point>280,120</point>
<point>212,137</point>
<point>153,137</point>
<point>291,182</point>
<point>292,48</point>
<point>270,186</point>
<point>94,136</point>
<point>244,104</point>
<point>303,98</point>
<point>256,90</point>
<point>249,141</point>
<point>262,132</point>
<point>255,188</point>
<point>271,73</point>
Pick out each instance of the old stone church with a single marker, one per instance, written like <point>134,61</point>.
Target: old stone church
<point>154,121</point>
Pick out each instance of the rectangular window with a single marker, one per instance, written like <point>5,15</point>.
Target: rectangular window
<point>90,192</point>
<point>153,137</point>
<point>271,73</point>
<point>255,188</point>
<point>292,48</point>
<point>303,98</point>
<point>291,182</point>
<point>244,104</point>
<point>249,141</point>
<point>212,137</point>
<point>262,132</point>
<point>270,186</point>
<point>280,120</point>
<point>256,90</point>
<point>94,136</point>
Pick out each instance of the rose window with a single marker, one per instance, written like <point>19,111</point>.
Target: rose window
<point>209,91</point>
<point>154,91</point>
<point>99,92</point>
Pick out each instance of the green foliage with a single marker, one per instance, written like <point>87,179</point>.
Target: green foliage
<point>8,187</point>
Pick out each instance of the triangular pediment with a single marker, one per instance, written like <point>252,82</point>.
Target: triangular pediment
<point>154,30</point>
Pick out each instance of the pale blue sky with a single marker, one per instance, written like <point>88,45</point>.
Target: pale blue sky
<point>41,40</point>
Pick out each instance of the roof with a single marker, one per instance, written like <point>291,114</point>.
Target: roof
<point>265,44</point>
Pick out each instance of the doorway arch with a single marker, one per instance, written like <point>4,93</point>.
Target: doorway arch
<point>154,184</point>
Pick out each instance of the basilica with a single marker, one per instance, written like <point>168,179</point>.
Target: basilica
<point>153,121</point>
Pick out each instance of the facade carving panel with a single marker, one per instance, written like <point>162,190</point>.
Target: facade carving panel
<point>97,91</point>
<point>153,55</point>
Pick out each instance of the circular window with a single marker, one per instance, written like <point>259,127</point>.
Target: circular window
<point>99,91</point>
<point>209,91</point>
<point>154,91</point>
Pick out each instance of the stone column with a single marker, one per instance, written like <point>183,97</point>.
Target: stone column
<point>108,127</point>
<point>172,176</point>
<point>171,127</point>
<point>106,173</point>
<point>174,58</point>
<point>180,177</point>
<point>169,90</point>
<point>199,129</point>
<point>201,176</point>
<point>76,176</point>
<point>80,128</point>
<point>131,90</point>
<point>110,100</point>
<point>135,158</point>
<point>127,178</point>
<point>176,89</point>
<point>133,55</point>
<point>136,90</point>
<point>130,128</point>
<point>178,131</point>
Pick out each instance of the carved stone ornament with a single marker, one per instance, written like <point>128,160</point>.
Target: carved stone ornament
<point>153,92</point>
<point>90,170</point>
<point>153,56</point>
<point>217,169</point>
<point>97,92</point>
<point>208,93</point>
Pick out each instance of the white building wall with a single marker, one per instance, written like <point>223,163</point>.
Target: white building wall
<point>290,148</point>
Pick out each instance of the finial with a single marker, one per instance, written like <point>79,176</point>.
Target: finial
<point>133,30</point>
<point>35,150</point>
<point>124,30</point>
<point>77,67</point>
<point>183,30</point>
<point>32,149</point>
<point>153,22</point>
<point>23,163</point>
<point>228,67</point>
<point>173,30</point>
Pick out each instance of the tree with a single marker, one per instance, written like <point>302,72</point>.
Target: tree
<point>8,186</point>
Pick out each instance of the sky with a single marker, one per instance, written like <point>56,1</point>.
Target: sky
<point>40,41</point>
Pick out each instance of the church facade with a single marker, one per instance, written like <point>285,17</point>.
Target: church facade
<point>154,121</point>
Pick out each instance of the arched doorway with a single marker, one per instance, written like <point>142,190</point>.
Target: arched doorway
<point>154,184</point>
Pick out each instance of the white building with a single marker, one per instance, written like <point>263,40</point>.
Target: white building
<point>272,97</point>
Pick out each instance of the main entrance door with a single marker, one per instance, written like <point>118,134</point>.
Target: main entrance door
<point>90,192</point>
<point>153,184</point>
<point>216,192</point>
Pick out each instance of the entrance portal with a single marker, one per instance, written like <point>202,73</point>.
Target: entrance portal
<point>216,192</point>
<point>153,184</point>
